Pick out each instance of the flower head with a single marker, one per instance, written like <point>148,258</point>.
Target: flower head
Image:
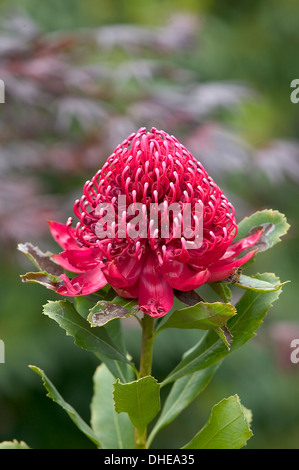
<point>148,174</point>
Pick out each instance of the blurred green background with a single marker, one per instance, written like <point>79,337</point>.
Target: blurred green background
<point>80,77</point>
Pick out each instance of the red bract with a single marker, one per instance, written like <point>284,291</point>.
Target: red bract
<point>149,168</point>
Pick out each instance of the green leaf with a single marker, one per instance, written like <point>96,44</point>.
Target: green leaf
<point>274,223</point>
<point>251,309</point>
<point>222,289</point>
<point>42,261</point>
<point>42,277</point>
<point>13,445</point>
<point>114,329</point>
<point>182,393</point>
<point>57,398</point>
<point>131,305</point>
<point>254,283</point>
<point>113,430</point>
<point>48,270</point>
<point>104,311</point>
<point>83,305</point>
<point>227,427</point>
<point>140,399</point>
<point>201,316</point>
<point>225,335</point>
<point>124,371</point>
<point>94,340</point>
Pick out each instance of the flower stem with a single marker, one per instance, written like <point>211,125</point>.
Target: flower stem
<point>146,359</point>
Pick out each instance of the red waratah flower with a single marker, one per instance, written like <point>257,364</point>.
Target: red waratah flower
<point>149,168</point>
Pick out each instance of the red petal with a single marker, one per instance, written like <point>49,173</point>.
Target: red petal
<point>61,234</point>
<point>62,261</point>
<point>241,245</point>
<point>84,284</point>
<point>123,274</point>
<point>128,292</point>
<point>199,260</point>
<point>79,261</point>
<point>155,294</point>
<point>225,268</point>
<point>181,277</point>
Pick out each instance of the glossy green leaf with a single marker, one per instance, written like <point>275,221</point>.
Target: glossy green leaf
<point>222,289</point>
<point>182,393</point>
<point>48,270</point>
<point>129,304</point>
<point>83,304</point>
<point>251,309</point>
<point>274,223</point>
<point>125,371</point>
<point>43,278</point>
<point>72,413</point>
<point>95,340</point>
<point>201,316</point>
<point>254,283</point>
<point>113,430</point>
<point>225,335</point>
<point>104,311</point>
<point>42,261</point>
<point>114,329</point>
<point>140,399</point>
<point>13,445</point>
<point>227,427</point>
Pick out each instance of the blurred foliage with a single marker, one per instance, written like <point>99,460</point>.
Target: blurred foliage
<point>81,76</point>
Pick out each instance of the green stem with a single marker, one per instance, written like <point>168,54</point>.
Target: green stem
<point>146,359</point>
